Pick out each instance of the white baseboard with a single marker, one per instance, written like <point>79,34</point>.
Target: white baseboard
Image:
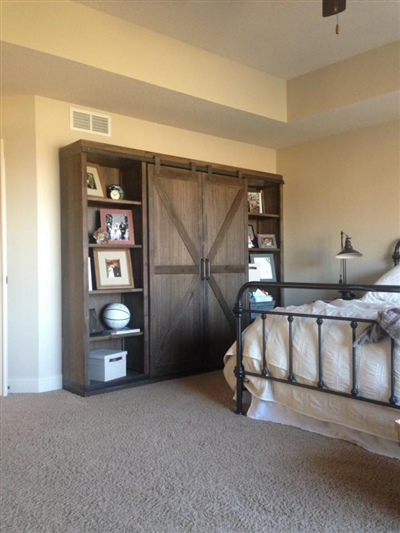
<point>18,386</point>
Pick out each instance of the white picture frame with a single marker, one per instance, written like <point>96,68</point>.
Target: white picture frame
<point>254,203</point>
<point>113,268</point>
<point>265,265</point>
<point>94,181</point>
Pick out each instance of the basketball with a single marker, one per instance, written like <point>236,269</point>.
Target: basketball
<point>116,316</point>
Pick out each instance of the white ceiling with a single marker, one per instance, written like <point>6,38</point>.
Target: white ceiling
<point>285,38</point>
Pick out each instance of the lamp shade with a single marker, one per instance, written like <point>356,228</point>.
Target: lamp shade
<point>347,251</point>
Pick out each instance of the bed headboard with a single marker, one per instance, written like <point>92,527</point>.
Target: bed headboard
<point>396,254</point>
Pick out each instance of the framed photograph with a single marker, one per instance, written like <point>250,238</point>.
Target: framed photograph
<point>94,181</point>
<point>119,225</point>
<point>254,202</point>
<point>113,268</point>
<point>265,265</point>
<point>251,239</point>
<point>266,240</point>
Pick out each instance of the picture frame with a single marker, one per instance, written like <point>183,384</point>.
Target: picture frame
<point>90,279</point>
<point>94,324</point>
<point>265,265</point>
<point>94,181</point>
<point>119,225</point>
<point>254,202</point>
<point>254,274</point>
<point>113,268</point>
<point>266,240</point>
<point>251,237</point>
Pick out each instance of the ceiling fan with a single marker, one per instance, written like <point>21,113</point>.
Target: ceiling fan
<point>333,7</point>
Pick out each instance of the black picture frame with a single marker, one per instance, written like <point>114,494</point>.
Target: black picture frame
<point>94,324</point>
<point>252,239</point>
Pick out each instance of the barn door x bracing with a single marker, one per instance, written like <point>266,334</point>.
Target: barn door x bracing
<point>197,262</point>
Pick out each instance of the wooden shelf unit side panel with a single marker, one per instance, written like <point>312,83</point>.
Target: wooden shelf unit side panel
<point>281,238</point>
<point>74,260</point>
<point>145,271</point>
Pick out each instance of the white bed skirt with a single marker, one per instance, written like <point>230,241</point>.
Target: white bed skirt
<point>275,412</point>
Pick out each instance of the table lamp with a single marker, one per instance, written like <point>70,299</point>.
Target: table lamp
<point>347,252</point>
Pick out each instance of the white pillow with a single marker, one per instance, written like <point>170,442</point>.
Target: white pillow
<point>390,278</point>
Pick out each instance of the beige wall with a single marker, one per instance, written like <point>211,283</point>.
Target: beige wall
<point>365,76</point>
<point>18,130</point>
<point>349,183</point>
<point>78,33</point>
<point>34,129</point>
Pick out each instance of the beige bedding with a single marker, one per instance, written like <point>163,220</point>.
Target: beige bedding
<point>372,363</point>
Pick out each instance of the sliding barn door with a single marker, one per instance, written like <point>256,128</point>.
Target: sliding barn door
<point>197,262</point>
<point>226,256</point>
<point>176,320</point>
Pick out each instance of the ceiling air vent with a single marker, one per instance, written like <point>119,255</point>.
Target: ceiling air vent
<point>90,122</point>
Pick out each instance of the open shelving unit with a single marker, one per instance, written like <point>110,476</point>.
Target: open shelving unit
<point>83,298</point>
<point>188,260</point>
<point>269,221</point>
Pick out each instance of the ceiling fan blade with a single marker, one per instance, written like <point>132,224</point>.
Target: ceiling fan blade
<point>332,7</point>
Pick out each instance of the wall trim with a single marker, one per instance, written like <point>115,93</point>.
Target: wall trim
<point>27,386</point>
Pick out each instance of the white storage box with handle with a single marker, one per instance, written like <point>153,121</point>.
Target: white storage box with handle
<point>105,365</point>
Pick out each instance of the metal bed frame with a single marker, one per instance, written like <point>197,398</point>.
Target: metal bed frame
<point>241,311</point>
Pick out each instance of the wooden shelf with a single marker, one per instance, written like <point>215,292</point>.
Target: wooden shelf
<point>107,201</point>
<point>115,291</point>
<point>131,378</point>
<point>116,246</point>
<point>264,250</point>
<point>263,215</point>
<point>108,336</point>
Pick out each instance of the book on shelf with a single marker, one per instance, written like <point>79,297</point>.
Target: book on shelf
<point>123,331</point>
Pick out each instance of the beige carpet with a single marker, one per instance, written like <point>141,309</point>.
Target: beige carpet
<point>173,458</point>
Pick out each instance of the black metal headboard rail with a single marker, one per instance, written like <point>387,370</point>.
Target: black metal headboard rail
<point>396,254</point>
<point>241,311</point>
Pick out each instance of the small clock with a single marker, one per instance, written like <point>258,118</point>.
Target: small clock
<point>115,192</point>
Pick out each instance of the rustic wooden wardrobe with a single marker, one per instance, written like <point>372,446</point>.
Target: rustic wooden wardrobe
<point>188,258</point>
